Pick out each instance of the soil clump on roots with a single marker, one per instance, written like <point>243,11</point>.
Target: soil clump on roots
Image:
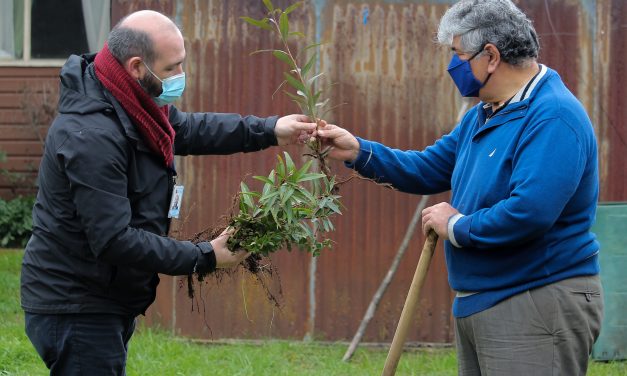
<point>261,268</point>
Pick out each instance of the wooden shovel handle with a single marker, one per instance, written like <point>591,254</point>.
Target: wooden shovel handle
<point>411,305</point>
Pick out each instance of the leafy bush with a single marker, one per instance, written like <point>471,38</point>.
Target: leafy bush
<point>286,212</point>
<point>16,221</point>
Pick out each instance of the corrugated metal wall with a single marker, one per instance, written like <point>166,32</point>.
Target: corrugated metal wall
<point>383,58</point>
<point>392,78</point>
<point>610,109</point>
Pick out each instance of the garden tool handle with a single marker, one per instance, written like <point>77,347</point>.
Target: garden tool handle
<point>411,305</point>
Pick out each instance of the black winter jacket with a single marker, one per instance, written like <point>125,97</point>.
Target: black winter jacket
<point>100,219</point>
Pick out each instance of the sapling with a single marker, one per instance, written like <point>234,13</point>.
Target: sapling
<point>303,79</point>
<point>296,205</point>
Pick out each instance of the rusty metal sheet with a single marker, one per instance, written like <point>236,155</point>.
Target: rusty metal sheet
<point>161,312</point>
<point>392,78</point>
<point>566,34</point>
<point>612,111</point>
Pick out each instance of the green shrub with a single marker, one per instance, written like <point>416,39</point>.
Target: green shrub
<point>287,212</point>
<point>16,221</point>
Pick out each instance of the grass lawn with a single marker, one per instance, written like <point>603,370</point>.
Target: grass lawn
<point>159,353</point>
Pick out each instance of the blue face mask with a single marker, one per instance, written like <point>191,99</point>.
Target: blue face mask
<point>171,88</point>
<point>462,75</point>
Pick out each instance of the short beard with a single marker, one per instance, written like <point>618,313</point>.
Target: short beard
<point>151,85</point>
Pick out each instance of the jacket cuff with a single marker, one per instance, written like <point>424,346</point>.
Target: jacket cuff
<point>268,130</point>
<point>364,156</point>
<point>206,261</point>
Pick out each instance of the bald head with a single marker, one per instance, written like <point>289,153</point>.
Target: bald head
<point>147,44</point>
<point>145,34</point>
<point>150,22</point>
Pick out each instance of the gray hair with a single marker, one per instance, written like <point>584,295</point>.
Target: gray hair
<point>125,42</point>
<point>498,22</point>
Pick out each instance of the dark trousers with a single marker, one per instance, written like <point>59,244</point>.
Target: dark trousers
<point>545,331</point>
<point>81,344</point>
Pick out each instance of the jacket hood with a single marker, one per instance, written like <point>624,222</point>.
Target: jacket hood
<point>80,91</point>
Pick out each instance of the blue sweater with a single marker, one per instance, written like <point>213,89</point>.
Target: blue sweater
<point>526,181</point>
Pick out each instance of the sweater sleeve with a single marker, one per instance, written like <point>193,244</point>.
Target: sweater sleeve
<point>419,172</point>
<point>219,133</point>
<point>546,171</point>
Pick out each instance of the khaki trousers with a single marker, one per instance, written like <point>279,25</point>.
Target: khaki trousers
<point>549,330</point>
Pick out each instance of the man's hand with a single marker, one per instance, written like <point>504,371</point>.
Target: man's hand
<point>292,129</point>
<point>343,145</point>
<point>224,257</point>
<point>436,217</point>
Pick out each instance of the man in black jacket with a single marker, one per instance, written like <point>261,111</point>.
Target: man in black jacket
<point>106,179</point>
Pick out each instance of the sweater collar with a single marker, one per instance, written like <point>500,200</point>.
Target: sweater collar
<point>524,93</point>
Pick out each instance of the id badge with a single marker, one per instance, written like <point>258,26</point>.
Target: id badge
<point>175,202</point>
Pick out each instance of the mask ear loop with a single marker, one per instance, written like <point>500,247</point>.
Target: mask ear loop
<point>151,72</point>
<point>475,55</point>
<point>478,52</point>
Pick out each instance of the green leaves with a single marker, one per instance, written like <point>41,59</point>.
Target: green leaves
<point>263,24</point>
<point>309,64</point>
<point>288,211</point>
<point>292,7</point>
<point>289,163</point>
<point>301,80</point>
<point>16,221</point>
<point>294,82</point>
<point>284,25</point>
<point>268,4</point>
<point>246,204</point>
<point>284,57</point>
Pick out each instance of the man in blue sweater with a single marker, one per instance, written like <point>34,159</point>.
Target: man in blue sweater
<point>522,169</point>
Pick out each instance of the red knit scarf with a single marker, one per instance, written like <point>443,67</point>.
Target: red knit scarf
<point>151,120</point>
